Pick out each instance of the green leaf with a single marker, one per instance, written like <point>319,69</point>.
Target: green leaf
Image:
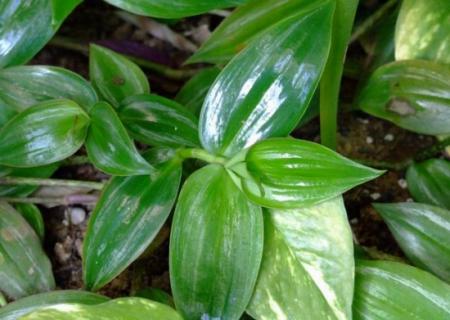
<point>110,148</point>
<point>19,308</point>
<point>114,76</point>
<point>172,9</point>
<point>118,309</point>
<point>412,94</point>
<point>215,247</point>
<point>429,182</point>
<point>24,267</point>
<point>395,291</point>
<point>157,295</point>
<point>43,134</point>
<point>159,121</point>
<point>307,271</point>
<point>264,91</point>
<point>61,9</point>
<point>246,22</point>
<point>423,30</point>
<point>24,86</point>
<point>288,173</point>
<point>6,112</point>
<point>423,233</point>
<point>33,216</point>
<point>127,217</point>
<point>193,93</point>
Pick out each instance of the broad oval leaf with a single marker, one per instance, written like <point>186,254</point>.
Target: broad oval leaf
<point>126,219</point>
<point>423,233</point>
<point>158,121</point>
<point>24,267</point>
<point>110,148</point>
<point>429,182</point>
<point>118,309</point>
<point>414,94</point>
<point>395,291</point>
<point>43,134</point>
<point>33,216</point>
<point>172,8</point>
<point>423,30</point>
<point>307,271</point>
<point>193,93</point>
<point>114,76</point>
<point>6,112</point>
<point>265,90</point>
<point>246,22</point>
<point>289,173</point>
<point>19,308</point>
<point>215,247</point>
<point>24,86</point>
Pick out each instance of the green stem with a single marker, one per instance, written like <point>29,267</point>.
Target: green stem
<point>85,199</point>
<point>176,74</point>
<point>372,20</point>
<point>201,155</point>
<point>51,182</point>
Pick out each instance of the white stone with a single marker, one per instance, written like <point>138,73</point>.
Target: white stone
<point>369,140</point>
<point>402,183</point>
<point>389,137</point>
<point>77,215</point>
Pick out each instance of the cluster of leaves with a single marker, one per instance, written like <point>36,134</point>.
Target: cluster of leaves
<point>260,227</point>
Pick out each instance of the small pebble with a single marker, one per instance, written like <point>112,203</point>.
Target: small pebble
<point>61,254</point>
<point>409,200</point>
<point>77,215</point>
<point>365,121</point>
<point>369,140</point>
<point>389,137</point>
<point>402,183</point>
<point>375,196</point>
<point>354,221</point>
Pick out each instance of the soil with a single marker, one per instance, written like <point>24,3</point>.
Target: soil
<point>361,137</point>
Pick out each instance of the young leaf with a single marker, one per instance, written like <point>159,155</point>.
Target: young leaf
<point>24,86</point>
<point>423,233</point>
<point>288,173</point>
<point>43,134</point>
<point>395,291</point>
<point>19,308</point>
<point>61,9</point>
<point>246,22</point>
<point>429,182</point>
<point>118,309</point>
<point>33,216</point>
<point>24,267</point>
<point>307,270</point>
<point>265,90</point>
<point>215,247</point>
<point>126,219</point>
<point>423,30</point>
<point>412,94</point>
<point>114,76</point>
<point>172,9</point>
<point>193,93</point>
<point>159,121</point>
<point>110,148</point>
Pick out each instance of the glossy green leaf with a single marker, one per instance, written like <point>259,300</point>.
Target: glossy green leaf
<point>289,173</point>
<point>157,295</point>
<point>127,217</point>
<point>24,86</point>
<point>33,216</point>
<point>19,308</point>
<point>215,247</point>
<point>6,112</point>
<point>24,267</point>
<point>158,121</point>
<point>429,182</point>
<point>172,8</point>
<point>307,271</point>
<point>423,233</point>
<point>246,22</point>
<point>423,30</point>
<point>43,134</point>
<point>265,90</point>
<point>110,148</point>
<point>395,291</point>
<point>412,94</point>
<point>118,309</point>
<point>61,9</point>
<point>193,93</point>
<point>114,76</point>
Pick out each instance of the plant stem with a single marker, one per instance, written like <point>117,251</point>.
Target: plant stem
<point>201,155</point>
<point>51,182</point>
<point>372,20</point>
<point>176,74</point>
<point>77,160</point>
<point>85,199</point>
